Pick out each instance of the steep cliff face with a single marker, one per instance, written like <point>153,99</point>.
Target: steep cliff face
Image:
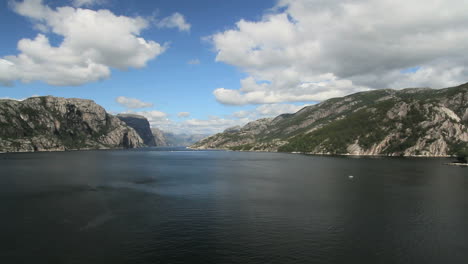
<point>141,126</point>
<point>159,137</point>
<point>383,122</point>
<point>55,124</point>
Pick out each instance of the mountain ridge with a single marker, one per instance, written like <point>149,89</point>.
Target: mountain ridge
<point>48,123</point>
<point>141,126</point>
<point>407,122</point>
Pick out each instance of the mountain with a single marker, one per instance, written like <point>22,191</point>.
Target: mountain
<point>182,139</point>
<point>141,126</point>
<point>417,121</point>
<point>159,137</point>
<point>164,139</point>
<point>55,124</point>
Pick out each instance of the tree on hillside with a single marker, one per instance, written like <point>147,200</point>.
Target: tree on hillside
<point>462,155</point>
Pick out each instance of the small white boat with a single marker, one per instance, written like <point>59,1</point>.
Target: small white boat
<point>351,176</point>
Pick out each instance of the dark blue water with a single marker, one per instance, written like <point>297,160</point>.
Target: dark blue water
<point>153,206</point>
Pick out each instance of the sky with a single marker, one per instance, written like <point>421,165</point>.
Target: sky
<point>203,66</point>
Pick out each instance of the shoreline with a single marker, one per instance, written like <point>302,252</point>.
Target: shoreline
<point>264,151</point>
<point>65,150</point>
<point>457,164</point>
<point>328,154</point>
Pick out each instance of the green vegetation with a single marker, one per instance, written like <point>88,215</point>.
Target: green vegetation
<point>410,132</point>
<point>333,125</point>
<point>244,147</point>
<point>366,125</point>
<point>462,156</point>
<point>460,151</point>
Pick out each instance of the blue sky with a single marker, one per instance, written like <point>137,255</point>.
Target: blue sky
<point>224,63</point>
<point>169,81</point>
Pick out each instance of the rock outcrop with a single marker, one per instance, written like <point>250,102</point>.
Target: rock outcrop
<point>141,126</point>
<point>56,124</point>
<point>407,122</point>
<point>159,137</point>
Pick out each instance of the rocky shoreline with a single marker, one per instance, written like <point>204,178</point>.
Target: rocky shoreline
<point>330,154</point>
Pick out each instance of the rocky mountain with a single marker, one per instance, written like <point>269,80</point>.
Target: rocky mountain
<point>141,126</point>
<point>55,124</point>
<point>418,121</point>
<point>159,137</point>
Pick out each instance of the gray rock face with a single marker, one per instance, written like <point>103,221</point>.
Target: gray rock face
<point>159,137</point>
<point>405,122</point>
<point>55,124</point>
<point>141,126</point>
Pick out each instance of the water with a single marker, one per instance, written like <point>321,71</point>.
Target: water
<point>154,206</point>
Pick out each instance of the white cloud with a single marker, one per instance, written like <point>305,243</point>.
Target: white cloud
<point>153,115</point>
<point>242,114</point>
<point>252,92</point>
<point>194,62</point>
<point>155,118</point>
<point>88,49</point>
<point>308,50</point>
<point>10,98</point>
<point>132,103</point>
<point>215,124</point>
<point>175,20</point>
<point>183,114</point>
<point>211,125</point>
<point>272,110</point>
<point>268,110</point>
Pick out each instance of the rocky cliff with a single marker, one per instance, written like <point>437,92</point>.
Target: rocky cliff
<point>405,122</point>
<point>159,137</point>
<point>141,126</point>
<point>55,124</point>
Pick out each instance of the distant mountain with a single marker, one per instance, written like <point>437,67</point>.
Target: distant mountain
<point>159,137</point>
<point>141,126</point>
<point>418,121</point>
<point>165,139</point>
<point>184,140</point>
<point>53,124</point>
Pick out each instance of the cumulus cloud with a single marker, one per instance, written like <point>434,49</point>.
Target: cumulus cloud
<point>211,125</point>
<point>194,62</point>
<point>215,124</point>
<point>132,103</point>
<point>156,118</point>
<point>268,110</point>
<point>175,20</point>
<point>88,49</point>
<point>272,110</point>
<point>153,115</point>
<point>11,98</point>
<point>183,114</point>
<point>307,50</point>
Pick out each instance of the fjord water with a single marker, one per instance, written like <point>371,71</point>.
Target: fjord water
<point>162,206</point>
